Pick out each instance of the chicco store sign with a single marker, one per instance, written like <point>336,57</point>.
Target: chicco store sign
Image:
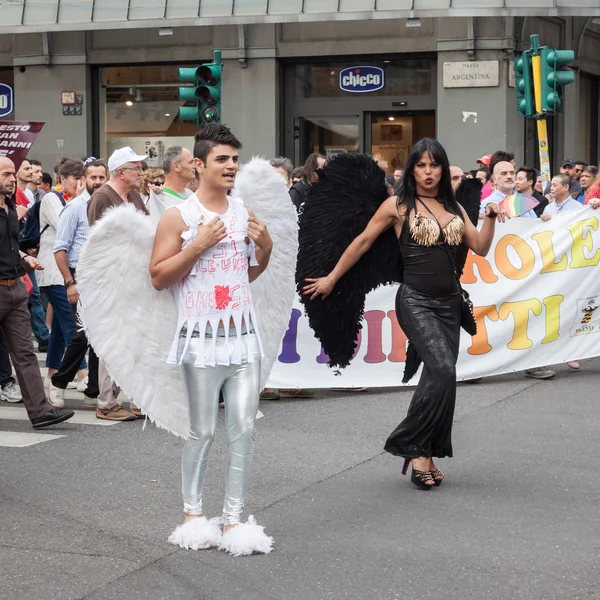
<point>362,79</point>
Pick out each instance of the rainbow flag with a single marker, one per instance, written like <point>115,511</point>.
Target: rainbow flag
<point>518,204</point>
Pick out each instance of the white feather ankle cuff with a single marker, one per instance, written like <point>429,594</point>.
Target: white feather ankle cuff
<point>246,539</point>
<point>197,534</point>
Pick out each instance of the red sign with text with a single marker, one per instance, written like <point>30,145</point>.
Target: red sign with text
<point>17,138</point>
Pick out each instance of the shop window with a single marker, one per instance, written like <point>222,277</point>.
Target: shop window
<point>405,77</point>
<point>141,108</point>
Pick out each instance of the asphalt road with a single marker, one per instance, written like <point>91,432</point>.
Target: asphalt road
<point>87,515</point>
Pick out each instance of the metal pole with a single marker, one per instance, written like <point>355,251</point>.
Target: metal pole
<point>542,129</point>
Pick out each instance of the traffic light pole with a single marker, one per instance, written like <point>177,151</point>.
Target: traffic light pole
<point>542,128</point>
<point>538,83</point>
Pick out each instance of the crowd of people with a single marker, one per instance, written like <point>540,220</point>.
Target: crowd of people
<point>53,215</point>
<point>201,230</point>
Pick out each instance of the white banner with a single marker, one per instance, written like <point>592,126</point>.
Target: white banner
<point>536,298</point>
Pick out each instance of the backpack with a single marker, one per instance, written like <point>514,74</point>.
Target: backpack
<point>298,193</point>
<point>29,237</point>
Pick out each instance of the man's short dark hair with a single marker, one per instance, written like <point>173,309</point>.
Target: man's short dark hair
<point>530,173</point>
<point>93,163</point>
<point>500,156</point>
<point>564,179</point>
<point>297,173</point>
<point>68,167</point>
<point>47,179</point>
<point>577,162</point>
<point>212,135</point>
<point>485,171</point>
<point>35,163</point>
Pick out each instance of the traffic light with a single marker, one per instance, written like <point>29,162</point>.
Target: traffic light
<point>206,94</point>
<point>553,79</point>
<point>524,85</point>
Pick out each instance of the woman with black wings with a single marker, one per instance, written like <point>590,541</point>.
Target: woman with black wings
<point>430,227</point>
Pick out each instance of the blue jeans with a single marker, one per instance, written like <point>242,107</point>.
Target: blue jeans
<point>63,326</point>
<point>36,310</point>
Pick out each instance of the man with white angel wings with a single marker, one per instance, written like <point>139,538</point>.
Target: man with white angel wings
<point>183,298</point>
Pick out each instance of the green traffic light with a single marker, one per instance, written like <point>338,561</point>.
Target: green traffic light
<point>524,86</point>
<point>211,115</point>
<point>206,94</point>
<point>553,79</point>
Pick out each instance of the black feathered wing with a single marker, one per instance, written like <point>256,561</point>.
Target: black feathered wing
<point>468,195</point>
<point>338,207</point>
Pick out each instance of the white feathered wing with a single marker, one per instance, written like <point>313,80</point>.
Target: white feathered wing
<point>131,325</point>
<point>263,190</point>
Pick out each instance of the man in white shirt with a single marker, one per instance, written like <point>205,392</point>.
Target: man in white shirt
<point>505,182</point>
<point>563,201</point>
<point>178,165</point>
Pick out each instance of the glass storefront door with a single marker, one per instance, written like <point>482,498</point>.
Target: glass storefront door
<point>392,135</point>
<point>321,115</point>
<point>328,135</point>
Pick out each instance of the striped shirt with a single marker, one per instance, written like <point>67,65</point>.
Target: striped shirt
<point>73,227</point>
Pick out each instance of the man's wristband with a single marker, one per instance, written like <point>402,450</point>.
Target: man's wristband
<point>69,283</point>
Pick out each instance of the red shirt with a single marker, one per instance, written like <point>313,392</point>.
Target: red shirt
<point>22,199</point>
<point>593,193</point>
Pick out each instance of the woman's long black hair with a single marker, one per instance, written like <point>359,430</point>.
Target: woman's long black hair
<point>407,192</point>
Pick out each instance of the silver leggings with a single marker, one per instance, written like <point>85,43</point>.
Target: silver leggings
<point>240,385</point>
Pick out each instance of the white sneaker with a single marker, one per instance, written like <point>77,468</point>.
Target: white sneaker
<point>55,395</point>
<point>11,392</point>
<point>72,385</point>
<point>82,385</point>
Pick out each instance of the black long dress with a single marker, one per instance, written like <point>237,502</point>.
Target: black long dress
<point>428,308</point>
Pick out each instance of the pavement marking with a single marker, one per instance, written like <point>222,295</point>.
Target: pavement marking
<point>17,439</point>
<point>81,417</point>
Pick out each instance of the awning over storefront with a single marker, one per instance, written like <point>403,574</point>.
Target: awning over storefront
<point>21,16</point>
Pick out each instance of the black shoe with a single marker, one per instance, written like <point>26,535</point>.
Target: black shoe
<point>52,417</point>
<point>43,347</point>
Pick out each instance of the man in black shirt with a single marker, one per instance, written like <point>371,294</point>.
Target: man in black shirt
<point>525,184</point>
<point>14,315</point>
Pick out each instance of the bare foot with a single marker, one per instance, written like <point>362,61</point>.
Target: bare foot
<point>228,527</point>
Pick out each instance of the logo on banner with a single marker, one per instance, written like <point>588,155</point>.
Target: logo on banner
<point>6,100</point>
<point>587,319</point>
<point>362,79</point>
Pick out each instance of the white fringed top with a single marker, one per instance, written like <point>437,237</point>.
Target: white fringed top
<point>217,288</point>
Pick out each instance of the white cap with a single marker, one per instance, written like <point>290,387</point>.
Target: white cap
<point>122,156</point>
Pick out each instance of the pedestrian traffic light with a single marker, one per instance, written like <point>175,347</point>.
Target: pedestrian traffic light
<point>553,79</point>
<point>206,94</point>
<point>524,85</point>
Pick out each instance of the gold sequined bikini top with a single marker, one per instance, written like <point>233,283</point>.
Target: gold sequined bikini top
<point>427,231</point>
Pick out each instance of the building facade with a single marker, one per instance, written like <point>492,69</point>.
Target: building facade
<point>338,80</point>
